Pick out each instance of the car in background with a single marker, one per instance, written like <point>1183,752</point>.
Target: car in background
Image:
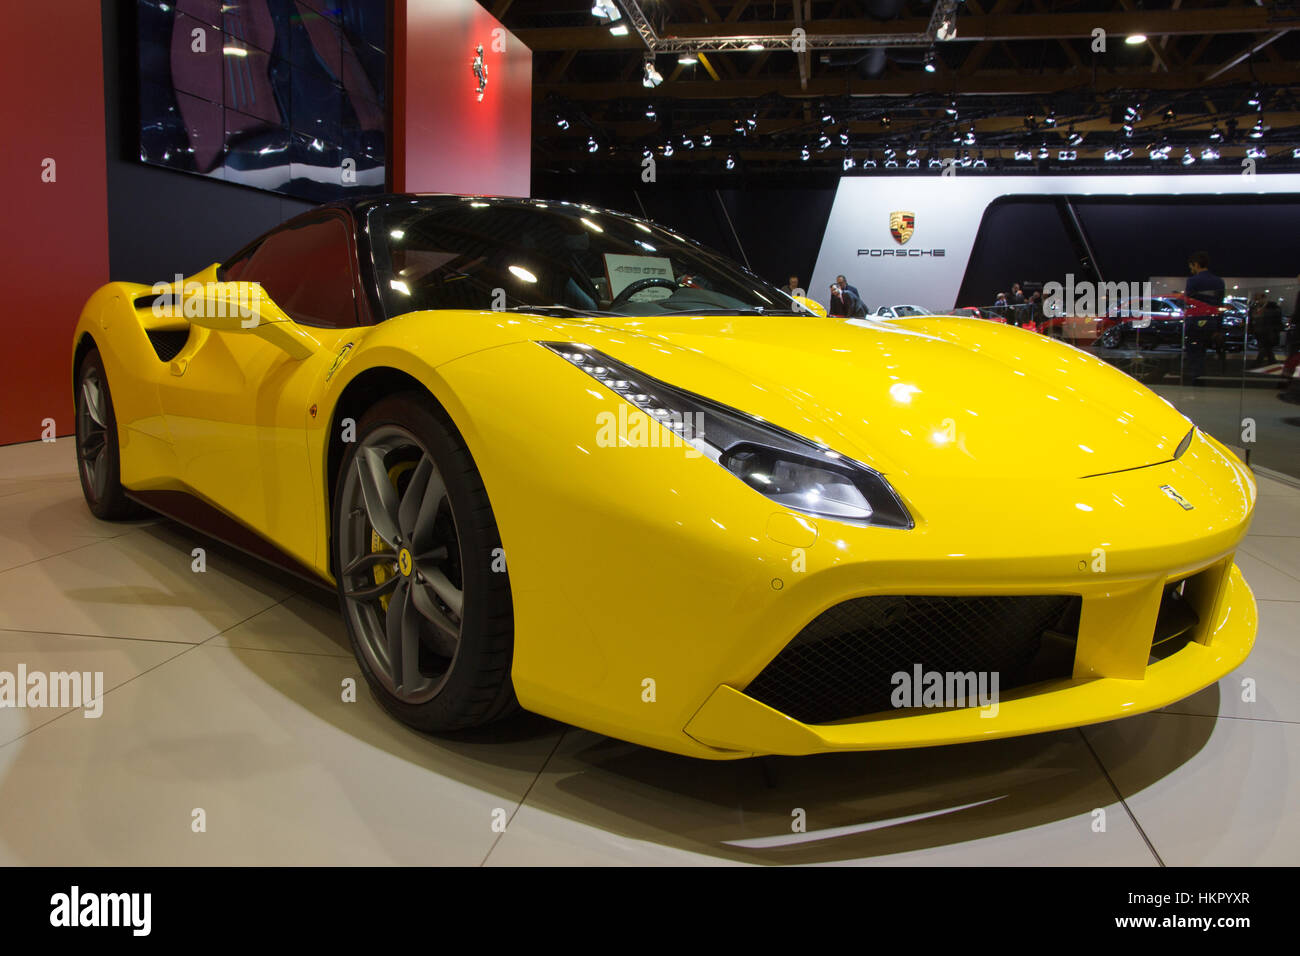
<point>972,312</point>
<point>901,311</point>
<point>1163,320</point>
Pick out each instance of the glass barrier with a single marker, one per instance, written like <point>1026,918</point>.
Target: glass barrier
<point>1231,369</point>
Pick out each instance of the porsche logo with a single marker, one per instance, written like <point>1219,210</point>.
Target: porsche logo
<point>901,226</point>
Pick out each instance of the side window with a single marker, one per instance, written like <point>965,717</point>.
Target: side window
<point>306,270</point>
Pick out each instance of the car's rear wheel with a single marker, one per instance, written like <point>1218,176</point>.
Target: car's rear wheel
<point>421,574</point>
<point>98,453</point>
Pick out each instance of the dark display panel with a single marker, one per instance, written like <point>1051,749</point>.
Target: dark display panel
<point>283,95</point>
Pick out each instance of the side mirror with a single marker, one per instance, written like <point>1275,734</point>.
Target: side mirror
<point>238,307</point>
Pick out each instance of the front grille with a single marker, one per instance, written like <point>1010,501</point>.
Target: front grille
<point>840,665</point>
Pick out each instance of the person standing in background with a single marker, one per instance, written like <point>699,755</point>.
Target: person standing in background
<point>793,290</point>
<point>1266,322</point>
<point>1199,331</point>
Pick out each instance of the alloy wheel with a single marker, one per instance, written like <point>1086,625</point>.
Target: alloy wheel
<point>400,564</point>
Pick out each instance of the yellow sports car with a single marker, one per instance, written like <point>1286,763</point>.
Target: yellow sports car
<point>566,459</point>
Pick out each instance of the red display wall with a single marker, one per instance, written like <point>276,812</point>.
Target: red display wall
<point>55,250</point>
<point>444,138</point>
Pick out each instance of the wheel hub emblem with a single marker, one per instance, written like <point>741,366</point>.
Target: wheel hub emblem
<point>404,562</point>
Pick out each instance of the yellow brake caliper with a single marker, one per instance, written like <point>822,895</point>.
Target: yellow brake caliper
<point>383,572</point>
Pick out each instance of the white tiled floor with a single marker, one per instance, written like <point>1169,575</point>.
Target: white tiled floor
<point>225,695</point>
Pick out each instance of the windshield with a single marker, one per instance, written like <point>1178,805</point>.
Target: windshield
<point>469,253</point>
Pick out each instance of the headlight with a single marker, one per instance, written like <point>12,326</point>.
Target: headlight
<point>791,470</point>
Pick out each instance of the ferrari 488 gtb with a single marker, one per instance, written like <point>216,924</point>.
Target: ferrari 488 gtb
<point>566,459</point>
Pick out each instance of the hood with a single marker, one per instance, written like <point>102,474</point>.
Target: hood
<point>933,396</point>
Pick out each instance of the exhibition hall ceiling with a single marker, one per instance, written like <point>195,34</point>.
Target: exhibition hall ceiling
<point>833,85</point>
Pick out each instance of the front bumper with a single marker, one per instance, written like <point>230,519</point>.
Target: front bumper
<point>651,588</point>
<point>730,720</point>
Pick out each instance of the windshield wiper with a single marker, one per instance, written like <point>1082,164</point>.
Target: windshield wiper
<point>554,310</point>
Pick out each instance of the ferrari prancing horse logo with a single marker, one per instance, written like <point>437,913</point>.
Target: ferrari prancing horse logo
<point>1182,502</point>
<point>901,226</point>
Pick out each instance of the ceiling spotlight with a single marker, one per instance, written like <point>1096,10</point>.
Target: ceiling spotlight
<point>911,149</point>
<point>952,109</point>
<point>618,30</point>
<point>947,29</point>
<point>1125,152</point>
<point>827,119</point>
<point>844,137</point>
<point>913,163</point>
<point>1074,139</point>
<point>969,138</point>
<point>1050,118</point>
<point>707,139</point>
<point>592,145</point>
<point>1257,131</point>
<point>935,162</point>
<point>805,154</point>
<point>755,47</point>
<point>1188,157</point>
<point>651,77</point>
<point>823,141</point>
<point>687,59</point>
<point>650,112</point>
<point>751,124</point>
<point>848,161</point>
<point>606,10</point>
<point>868,162</point>
<point>687,142</point>
<point>1255,100</point>
<point>1216,134</point>
<point>1024,155</point>
<point>889,152</point>
<point>1043,152</point>
<point>891,163</point>
<point>668,149</point>
<point>1208,153</point>
<point>965,162</point>
<point>1133,113</point>
<point>561,122</point>
<point>980,161</point>
<point>1128,129</point>
<point>731,161</point>
<point>740,127</point>
<point>1158,153</point>
<point>1295,152</point>
<point>1133,39</point>
<point>1068,155</point>
<point>1170,114</point>
<point>885,120</point>
<point>1257,152</point>
<point>930,63</point>
<point>1111,156</point>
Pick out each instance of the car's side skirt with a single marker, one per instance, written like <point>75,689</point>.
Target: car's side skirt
<point>194,512</point>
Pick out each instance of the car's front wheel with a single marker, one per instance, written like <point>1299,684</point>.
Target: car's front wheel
<point>420,569</point>
<point>1112,338</point>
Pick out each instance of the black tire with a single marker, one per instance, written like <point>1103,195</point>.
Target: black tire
<point>99,456</point>
<point>1112,338</point>
<point>474,687</point>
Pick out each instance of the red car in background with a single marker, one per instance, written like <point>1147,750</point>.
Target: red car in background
<point>992,314</point>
